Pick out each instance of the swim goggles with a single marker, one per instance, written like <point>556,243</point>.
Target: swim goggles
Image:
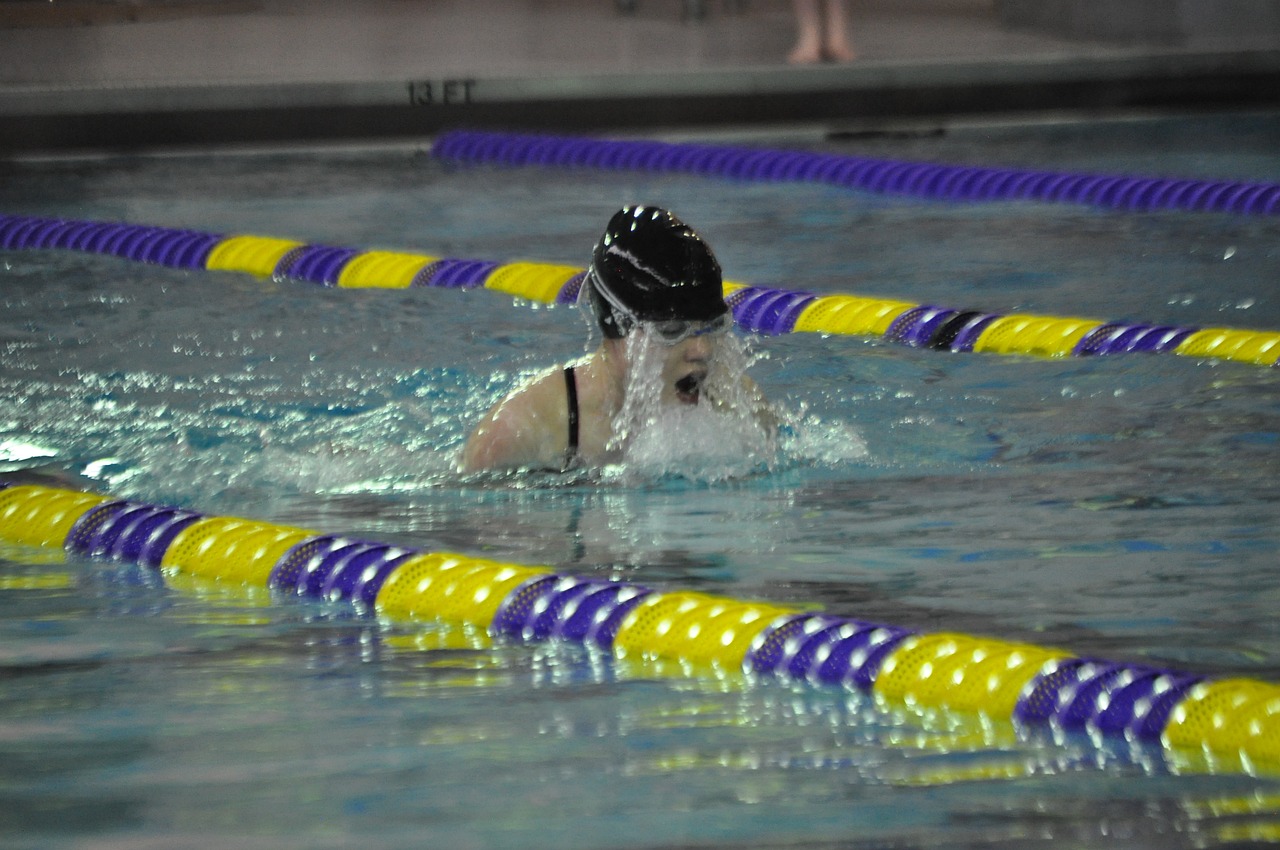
<point>677,330</point>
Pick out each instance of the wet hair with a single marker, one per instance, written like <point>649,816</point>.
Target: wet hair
<point>649,266</point>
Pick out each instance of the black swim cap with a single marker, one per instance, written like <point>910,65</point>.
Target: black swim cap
<point>651,267</point>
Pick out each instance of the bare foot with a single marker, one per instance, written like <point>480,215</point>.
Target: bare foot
<point>805,53</point>
<point>839,53</point>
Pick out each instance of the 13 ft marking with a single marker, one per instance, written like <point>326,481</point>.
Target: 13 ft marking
<point>440,92</point>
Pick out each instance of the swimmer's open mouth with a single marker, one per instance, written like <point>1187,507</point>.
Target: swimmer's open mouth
<point>689,388</point>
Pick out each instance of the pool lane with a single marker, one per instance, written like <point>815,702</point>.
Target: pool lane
<point>758,309</point>
<point>1222,724</point>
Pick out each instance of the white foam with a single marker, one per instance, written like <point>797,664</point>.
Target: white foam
<point>723,436</point>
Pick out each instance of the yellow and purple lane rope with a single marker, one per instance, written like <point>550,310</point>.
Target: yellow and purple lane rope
<point>1233,723</point>
<point>759,309</point>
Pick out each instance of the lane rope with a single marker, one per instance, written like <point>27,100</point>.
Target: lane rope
<point>759,309</point>
<point>932,181</point>
<point>1229,724</point>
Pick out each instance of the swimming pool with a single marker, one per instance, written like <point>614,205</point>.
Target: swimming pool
<point>1122,507</point>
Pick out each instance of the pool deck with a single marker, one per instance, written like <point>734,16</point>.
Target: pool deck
<point>146,74</point>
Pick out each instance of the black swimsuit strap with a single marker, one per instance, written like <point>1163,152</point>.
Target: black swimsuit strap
<point>571,387</point>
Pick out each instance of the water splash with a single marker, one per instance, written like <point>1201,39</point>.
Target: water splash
<point>806,439</point>
<point>729,433</point>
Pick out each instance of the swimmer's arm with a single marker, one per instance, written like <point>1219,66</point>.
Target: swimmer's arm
<point>759,407</point>
<point>761,410</point>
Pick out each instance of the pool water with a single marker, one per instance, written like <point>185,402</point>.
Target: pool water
<point>1121,507</point>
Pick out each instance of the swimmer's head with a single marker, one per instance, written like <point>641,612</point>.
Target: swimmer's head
<point>650,267</point>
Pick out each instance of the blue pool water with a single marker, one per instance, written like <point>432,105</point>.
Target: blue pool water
<point>1121,507</point>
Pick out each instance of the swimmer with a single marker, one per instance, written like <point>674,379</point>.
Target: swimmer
<point>655,289</point>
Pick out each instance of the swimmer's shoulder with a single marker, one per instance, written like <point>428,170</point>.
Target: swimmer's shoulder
<point>525,429</point>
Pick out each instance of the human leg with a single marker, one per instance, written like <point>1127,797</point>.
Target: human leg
<point>808,47</point>
<point>835,45</point>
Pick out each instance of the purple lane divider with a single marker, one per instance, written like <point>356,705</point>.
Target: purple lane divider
<point>50,233</point>
<point>918,326</point>
<point>47,233</point>
<point>91,237</point>
<point>318,264</point>
<point>146,247</point>
<point>768,311</point>
<point>134,242</point>
<point>575,609</point>
<point>961,331</point>
<point>108,238</point>
<point>337,568</point>
<point>759,309</point>
<point>926,180</point>
<point>1115,699</point>
<point>455,273</point>
<point>1141,706</point>
<point>195,255</point>
<point>43,231</point>
<point>14,231</point>
<point>1124,339</point>
<point>514,617</point>
<point>597,616</point>
<point>128,531</point>
<point>158,245</point>
<point>568,293</point>
<point>825,650</point>
<point>1121,701</point>
<point>78,235</point>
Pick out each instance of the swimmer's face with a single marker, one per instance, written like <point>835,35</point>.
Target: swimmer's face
<point>686,356</point>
